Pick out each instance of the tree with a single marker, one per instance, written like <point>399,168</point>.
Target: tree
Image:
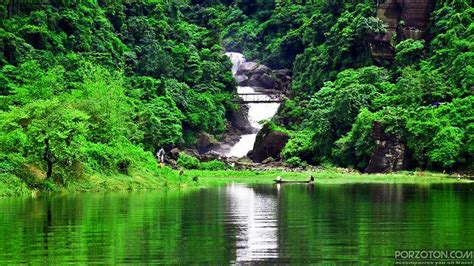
<point>54,132</point>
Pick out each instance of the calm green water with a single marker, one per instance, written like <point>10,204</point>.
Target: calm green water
<point>288,224</point>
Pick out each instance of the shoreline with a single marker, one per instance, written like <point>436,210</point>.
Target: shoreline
<point>12,186</point>
<point>211,178</point>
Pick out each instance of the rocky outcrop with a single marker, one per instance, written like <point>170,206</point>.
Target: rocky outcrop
<point>405,19</point>
<point>239,121</point>
<point>258,75</point>
<point>389,155</point>
<point>252,68</point>
<point>269,143</point>
<point>211,156</point>
<point>205,142</point>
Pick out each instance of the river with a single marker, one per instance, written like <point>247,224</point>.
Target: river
<point>257,112</point>
<point>238,224</point>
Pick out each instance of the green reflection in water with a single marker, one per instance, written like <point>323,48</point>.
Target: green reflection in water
<point>291,224</point>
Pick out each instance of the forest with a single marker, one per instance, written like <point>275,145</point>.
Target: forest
<point>99,86</point>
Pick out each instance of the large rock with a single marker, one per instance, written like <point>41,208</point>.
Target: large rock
<point>269,143</point>
<point>211,156</point>
<point>389,154</point>
<point>205,142</point>
<point>283,74</point>
<point>242,80</point>
<point>268,81</point>
<point>174,153</point>
<point>252,68</point>
<point>265,81</point>
<point>239,120</point>
<point>254,81</point>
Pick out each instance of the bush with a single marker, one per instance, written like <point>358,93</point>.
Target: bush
<point>299,145</point>
<point>409,52</point>
<point>296,162</point>
<point>188,162</point>
<point>214,165</point>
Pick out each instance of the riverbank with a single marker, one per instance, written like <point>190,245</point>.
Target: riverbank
<point>11,185</point>
<point>213,178</point>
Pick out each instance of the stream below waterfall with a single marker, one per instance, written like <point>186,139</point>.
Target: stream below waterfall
<point>257,112</point>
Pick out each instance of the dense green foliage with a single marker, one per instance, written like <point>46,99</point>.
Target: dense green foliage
<point>190,162</point>
<point>424,97</point>
<point>100,86</point>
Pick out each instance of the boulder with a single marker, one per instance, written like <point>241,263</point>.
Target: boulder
<point>247,67</point>
<point>211,156</point>
<point>171,162</point>
<point>269,143</point>
<point>262,69</point>
<point>174,153</point>
<point>283,74</point>
<point>244,160</point>
<point>242,80</point>
<point>252,68</point>
<point>283,80</point>
<point>389,155</point>
<point>254,81</point>
<point>205,142</point>
<point>267,81</point>
<point>268,160</point>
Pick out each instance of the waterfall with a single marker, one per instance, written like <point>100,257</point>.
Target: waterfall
<point>237,59</point>
<point>257,112</point>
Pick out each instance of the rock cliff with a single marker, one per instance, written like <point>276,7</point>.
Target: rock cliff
<point>405,19</point>
<point>389,154</point>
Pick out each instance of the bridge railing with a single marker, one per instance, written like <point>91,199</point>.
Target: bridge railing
<point>259,98</point>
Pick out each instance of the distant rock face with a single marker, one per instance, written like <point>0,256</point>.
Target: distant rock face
<point>269,143</point>
<point>389,155</point>
<point>405,19</point>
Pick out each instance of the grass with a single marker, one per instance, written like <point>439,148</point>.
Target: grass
<point>213,178</point>
<point>11,185</point>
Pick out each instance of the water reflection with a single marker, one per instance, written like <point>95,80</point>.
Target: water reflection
<point>238,224</point>
<point>255,217</point>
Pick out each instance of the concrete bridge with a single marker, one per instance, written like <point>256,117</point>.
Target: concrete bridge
<point>245,98</point>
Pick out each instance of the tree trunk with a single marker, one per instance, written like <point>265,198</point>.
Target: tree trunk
<point>48,157</point>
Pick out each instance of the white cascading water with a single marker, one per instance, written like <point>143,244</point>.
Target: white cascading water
<point>257,112</point>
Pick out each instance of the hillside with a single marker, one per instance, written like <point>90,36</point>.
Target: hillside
<point>100,86</point>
